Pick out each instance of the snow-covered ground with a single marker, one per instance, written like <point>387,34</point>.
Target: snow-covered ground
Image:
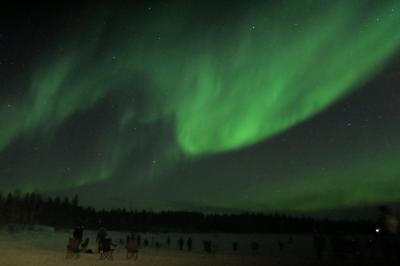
<point>48,247</point>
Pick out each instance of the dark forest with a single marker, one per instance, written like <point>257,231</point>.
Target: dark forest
<point>30,209</point>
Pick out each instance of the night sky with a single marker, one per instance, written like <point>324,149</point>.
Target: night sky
<point>196,105</point>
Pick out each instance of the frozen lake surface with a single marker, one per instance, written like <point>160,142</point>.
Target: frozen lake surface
<point>299,251</point>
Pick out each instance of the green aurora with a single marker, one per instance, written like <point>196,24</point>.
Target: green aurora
<point>248,75</point>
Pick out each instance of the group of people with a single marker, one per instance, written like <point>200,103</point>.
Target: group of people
<point>386,240</point>
<point>105,245</point>
<point>386,237</point>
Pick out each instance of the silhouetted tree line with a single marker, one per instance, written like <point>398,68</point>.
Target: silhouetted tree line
<point>33,208</point>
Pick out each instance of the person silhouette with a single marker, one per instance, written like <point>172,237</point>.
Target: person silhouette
<point>235,246</point>
<point>100,238</point>
<point>255,246</point>
<point>189,244</point>
<point>78,233</point>
<point>180,243</point>
<point>281,245</point>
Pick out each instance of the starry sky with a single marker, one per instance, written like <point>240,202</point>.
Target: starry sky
<point>202,105</point>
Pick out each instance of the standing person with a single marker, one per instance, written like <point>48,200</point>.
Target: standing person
<point>78,234</point>
<point>180,243</point>
<point>388,234</point>
<point>101,237</point>
<point>132,237</point>
<point>168,241</point>
<point>189,243</point>
<point>255,247</point>
<point>281,245</point>
<point>235,246</point>
<point>132,248</point>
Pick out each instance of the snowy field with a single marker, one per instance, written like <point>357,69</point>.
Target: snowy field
<point>49,248</point>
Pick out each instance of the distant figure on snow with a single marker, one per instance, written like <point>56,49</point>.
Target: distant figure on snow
<point>132,248</point>
<point>180,243</point>
<point>106,251</point>
<point>100,238</point>
<point>235,246</point>
<point>189,244</point>
<point>78,233</point>
<point>255,247</point>
<point>207,246</point>
<point>281,245</point>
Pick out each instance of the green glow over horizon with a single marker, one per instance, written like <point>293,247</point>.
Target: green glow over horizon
<point>229,88</point>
